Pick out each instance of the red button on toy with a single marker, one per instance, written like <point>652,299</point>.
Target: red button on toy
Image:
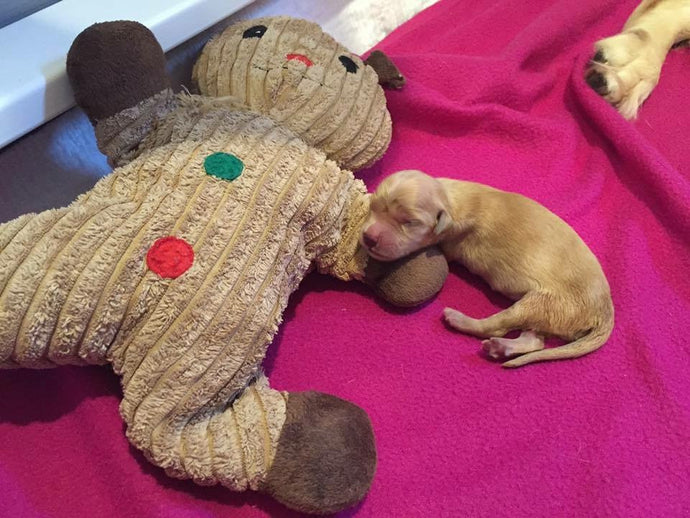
<point>170,257</point>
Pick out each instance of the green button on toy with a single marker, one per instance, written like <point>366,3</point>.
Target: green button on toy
<point>224,166</point>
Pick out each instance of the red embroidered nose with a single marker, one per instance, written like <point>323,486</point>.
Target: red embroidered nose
<point>300,57</point>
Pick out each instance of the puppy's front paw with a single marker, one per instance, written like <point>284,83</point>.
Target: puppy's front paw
<point>625,69</point>
<point>455,319</point>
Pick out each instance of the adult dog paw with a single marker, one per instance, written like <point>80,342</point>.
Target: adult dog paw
<point>625,69</point>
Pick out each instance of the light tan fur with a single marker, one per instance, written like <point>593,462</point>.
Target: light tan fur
<point>630,62</point>
<point>518,246</point>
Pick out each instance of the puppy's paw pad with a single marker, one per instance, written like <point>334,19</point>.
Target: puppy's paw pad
<point>498,348</point>
<point>625,69</point>
<point>597,82</point>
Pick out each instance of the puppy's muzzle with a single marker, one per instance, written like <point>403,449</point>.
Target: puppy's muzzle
<point>369,240</point>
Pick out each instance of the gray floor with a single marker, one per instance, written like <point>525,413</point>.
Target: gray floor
<point>13,10</point>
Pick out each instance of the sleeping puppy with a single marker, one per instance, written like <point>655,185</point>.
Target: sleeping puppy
<point>626,67</point>
<point>520,248</point>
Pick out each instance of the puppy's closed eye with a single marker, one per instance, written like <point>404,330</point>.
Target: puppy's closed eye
<point>409,223</point>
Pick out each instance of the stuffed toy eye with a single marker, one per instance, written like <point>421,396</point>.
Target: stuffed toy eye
<point>255,32</point>
<point>349,65</point>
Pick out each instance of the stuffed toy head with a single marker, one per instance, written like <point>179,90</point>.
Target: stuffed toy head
<point>176,268</point>
<point>290,70</point>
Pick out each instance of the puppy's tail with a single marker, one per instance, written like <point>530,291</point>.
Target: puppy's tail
<point>596,337</point>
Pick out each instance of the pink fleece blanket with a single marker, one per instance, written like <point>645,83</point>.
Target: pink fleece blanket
<point>495,94</point>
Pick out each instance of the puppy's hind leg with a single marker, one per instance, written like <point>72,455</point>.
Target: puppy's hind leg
<point>514,317</point>
<point>500,348</point>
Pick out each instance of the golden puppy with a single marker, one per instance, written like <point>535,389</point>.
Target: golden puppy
<point>626,67</point>
<point>520,248</point>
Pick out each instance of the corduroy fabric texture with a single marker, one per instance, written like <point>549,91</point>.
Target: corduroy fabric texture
<point>119,136</point>
<point>75,287</point>
<point>291,70</point>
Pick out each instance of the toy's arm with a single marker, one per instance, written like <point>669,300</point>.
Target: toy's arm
<point>50,266</point>
<point>118,75</point>
<point>407,282</point>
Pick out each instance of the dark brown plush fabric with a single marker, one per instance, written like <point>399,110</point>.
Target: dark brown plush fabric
<point>326,455</point>
<point>389,75</point>
<point>409,281</point>
<point>113,66</point>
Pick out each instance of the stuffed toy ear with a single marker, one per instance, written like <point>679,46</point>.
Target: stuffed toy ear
<point>409,281</point>
<point>389,75</point>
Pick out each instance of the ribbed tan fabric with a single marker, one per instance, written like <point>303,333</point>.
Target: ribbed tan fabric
<point>233,445</point>
<point>119,136</point>
<point>75,287</point>
<point>343,113</point>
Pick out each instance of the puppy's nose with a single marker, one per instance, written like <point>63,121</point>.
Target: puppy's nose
<point>597,81</point>
<point>599,56</point>
<point>369,241</point>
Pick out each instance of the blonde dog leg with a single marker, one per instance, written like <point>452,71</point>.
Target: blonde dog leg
<point>500,348</point>
<point>626,67</point>
<point>495,325</point>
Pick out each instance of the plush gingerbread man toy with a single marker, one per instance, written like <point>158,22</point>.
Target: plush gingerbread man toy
<point>176,268</point>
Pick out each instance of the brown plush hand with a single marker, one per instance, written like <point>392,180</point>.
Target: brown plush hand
<point>409,281</point>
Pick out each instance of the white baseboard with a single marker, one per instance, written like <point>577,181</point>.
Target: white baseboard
<point>34,86</point>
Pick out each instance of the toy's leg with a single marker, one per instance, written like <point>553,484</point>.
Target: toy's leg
<point>233,445</point>
<point>49,263</point>
<point>27,246</point>
<point>313,452</point>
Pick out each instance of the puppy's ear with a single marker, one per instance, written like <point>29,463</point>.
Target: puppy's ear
<point>443,221</point>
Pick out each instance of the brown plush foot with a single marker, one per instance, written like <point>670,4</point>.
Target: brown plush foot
<point>118,75</point>
<point>326,457</point>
